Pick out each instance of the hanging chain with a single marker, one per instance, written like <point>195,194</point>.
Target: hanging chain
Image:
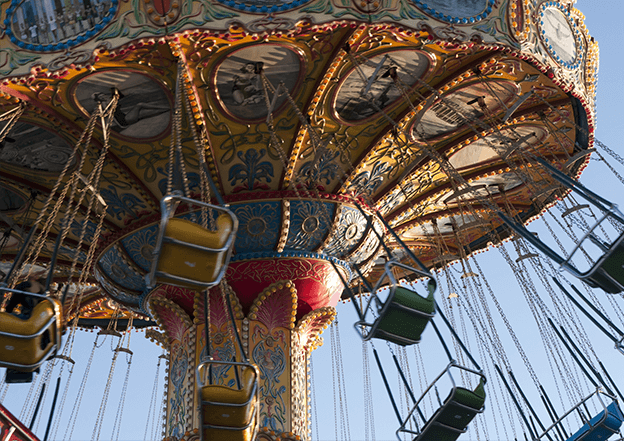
<point>314,407</point>
<point>69,430</point>
<point>124,389</point>
<point>13,116</point>
<point>199,140</point>
<point>102,410</point>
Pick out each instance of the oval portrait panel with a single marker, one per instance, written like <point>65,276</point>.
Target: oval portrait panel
<point>460,107</point>
<point>501,144</point>
<point>10,201</point>
<point>51,25</point>
<point>239,80</point>
<point>370,87</point>
<point>35,148</point>
<point>143,110</point>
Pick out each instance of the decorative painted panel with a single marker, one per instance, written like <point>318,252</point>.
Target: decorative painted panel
<point>269,349</point>
<point>462,106</point>
<point>350,228</point>
<point>457,11</point>
<point>36,149</point>
<point>143,110</point>
<point>369,88</point>
<point>140,245</point>
<point>113,265</point>
<point>239,78</point>
<point>47,26</point>
<point>258,226</point>
<point>310,222</point>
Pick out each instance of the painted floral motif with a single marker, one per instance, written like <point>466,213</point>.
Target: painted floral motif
<point>194,182</point>
<point>132,24</point>
<point>113,290</point>
<point>250,171</point>
<point>271,360</point>
<point>140,245</point>
<point>177,408</point>
<point>321,169</point>
<point>259,225</point>
<point>122,205</point>
<point>370,245</point>
<point>275,305</point>
<point>174,321</point>
<point>322,283</point>
<point>221,348</point>
<point>71,254</point>
<point>368,181</point>
<point>116,269</point>
<point>309,223</point>
<point>403,191</point>
<point>351,228</point>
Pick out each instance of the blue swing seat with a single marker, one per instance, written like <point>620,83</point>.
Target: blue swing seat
<point>602,426</point>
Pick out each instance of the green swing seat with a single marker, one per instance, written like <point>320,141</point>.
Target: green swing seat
<point>608,272</point>
<point>456,413</point>
<point>404,315</point>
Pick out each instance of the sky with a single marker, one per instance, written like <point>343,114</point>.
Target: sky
<point>604,20</point>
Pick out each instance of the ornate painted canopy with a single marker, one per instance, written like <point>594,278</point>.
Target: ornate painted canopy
<point>429,113</point>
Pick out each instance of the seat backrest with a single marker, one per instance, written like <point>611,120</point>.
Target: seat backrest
<point>228,395</point>
<point>188,231</point>
<point>471,398</point>
<point>41,314</point>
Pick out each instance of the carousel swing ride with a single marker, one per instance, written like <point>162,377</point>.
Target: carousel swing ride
<point>223,172</point>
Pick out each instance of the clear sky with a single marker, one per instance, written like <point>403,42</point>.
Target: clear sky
<point>604,20</point>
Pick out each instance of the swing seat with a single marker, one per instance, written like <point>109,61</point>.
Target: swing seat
<point>602,426</point>
<point>404,315</point>
<point>608,272</point>
<point>186,253</point>
<point>26,344</point>
<point>229,414</point>
<point>455,414</point>
<point>192,252</point>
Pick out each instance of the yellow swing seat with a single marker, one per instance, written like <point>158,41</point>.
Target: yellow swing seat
<point>26,344</point>
<point>188,254</point>
<point>230,414</point>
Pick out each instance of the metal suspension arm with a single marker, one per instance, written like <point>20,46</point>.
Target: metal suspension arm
<point>461,343</point>
<point>515,400</point>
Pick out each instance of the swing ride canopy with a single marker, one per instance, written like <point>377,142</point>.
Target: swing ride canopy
<point>311,107</point>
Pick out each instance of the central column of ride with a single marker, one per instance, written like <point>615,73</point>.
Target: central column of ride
<point>265,296</point>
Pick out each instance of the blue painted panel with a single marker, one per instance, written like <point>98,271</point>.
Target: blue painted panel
<point>259,225</point>
<point>139,246</point>
<point>309,223</point>
<point>113,266</point>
